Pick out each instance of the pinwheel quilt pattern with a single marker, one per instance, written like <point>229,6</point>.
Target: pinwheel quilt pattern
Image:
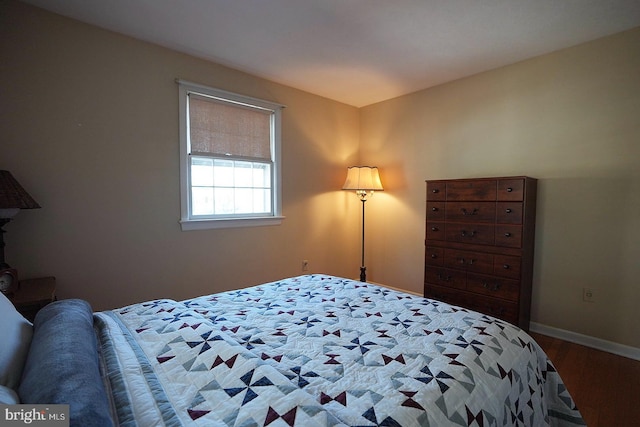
<point>320,350</point>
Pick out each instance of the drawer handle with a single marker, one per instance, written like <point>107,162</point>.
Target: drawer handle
<point>434,256</point>
<point>434,209</point>
<point>507,234</point>
<point>435,190</point>
<point>464,261</point>
<point>506,266</point>
<point>466,212</point>
<point>444,278</point>
<point>434,228</point>
<point>495,287</point>
<point>509,189</point>
<point>508,210</point>
<point>471,234</point>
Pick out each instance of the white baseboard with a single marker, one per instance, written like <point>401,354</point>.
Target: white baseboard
<point>588,341</point>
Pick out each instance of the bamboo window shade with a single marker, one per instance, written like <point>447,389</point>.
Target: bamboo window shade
<point>222,129</point>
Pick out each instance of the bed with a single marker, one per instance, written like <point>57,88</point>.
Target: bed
<point>314,350</point>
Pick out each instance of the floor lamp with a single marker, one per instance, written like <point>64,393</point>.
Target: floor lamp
<point>364,180</point>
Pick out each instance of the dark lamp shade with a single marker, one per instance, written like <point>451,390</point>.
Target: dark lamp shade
<point>12,195</point>
<point>363,178</point>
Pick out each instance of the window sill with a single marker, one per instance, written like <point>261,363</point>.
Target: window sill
<point>206,224</point>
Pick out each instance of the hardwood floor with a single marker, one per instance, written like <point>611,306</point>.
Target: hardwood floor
<point>606,387</point>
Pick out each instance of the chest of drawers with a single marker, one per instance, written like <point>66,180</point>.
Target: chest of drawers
<point>480,244</point>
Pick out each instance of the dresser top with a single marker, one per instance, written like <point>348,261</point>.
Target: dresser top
<point>484,178</point>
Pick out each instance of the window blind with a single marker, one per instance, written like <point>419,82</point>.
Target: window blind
<point>224,129</point>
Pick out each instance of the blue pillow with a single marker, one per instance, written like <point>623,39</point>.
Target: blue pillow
<point>62,366</point>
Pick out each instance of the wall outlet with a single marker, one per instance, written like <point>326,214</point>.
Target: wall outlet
<point>587,295</point>
<point>305,265</point>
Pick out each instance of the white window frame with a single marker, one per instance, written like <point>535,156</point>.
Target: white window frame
<point>187,220</point>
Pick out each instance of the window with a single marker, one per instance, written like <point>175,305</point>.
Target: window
<point>229,159</point>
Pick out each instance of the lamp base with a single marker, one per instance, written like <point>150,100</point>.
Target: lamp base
<point>3,221</point>
<point>363,274</point>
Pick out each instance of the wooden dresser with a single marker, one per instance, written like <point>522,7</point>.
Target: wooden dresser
<point>479,245</point>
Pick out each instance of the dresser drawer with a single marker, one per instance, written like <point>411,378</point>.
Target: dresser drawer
<point>501,309</point>
<point>511,189</point>
<point>434,256</point>
<point>472,190</point>
<point>448,295</point>
<point>436,211</point>
<point>507,266</point>
<point>509,213</point>
<point>445,277</point>
<point>480,234</point>
<point>471,212</point>
<point>493,286</point>
<point>436,190</point>
<point>509,236</point>
<point>436,230</point>
<point>468,261</point>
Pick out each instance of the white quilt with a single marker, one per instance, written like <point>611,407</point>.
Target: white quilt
<point>319,350</point>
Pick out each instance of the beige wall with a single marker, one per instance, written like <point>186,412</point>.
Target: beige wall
<point>570,119</point>
<point>89,125</point>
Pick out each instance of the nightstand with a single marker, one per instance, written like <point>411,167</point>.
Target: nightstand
<point>33,294</point>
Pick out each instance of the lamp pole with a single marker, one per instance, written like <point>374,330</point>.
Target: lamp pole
<point>363,269</point>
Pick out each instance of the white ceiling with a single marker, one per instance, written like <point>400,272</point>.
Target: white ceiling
<point>358,51</point>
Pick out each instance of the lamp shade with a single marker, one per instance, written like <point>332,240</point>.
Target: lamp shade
<point>12,195</point>
<point>365,178</point>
